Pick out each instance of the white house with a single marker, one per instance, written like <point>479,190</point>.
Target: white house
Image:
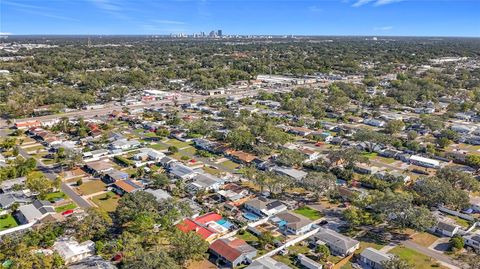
<point>338,244</point>
<point>71,251</point>
<point>372,258</point>
<point>425,162</point>
<point>264,207</point>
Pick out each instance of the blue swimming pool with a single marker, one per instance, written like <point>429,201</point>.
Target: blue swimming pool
<point>251,216</point>
<point>225,223</point>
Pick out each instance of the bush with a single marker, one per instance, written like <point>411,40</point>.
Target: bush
<point>457,242</point>
<point>79,182</point>
<point>122,161</point>
<point>184,158</point>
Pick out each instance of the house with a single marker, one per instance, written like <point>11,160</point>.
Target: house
<point>95,154</point>
<point>264,207</point>
<point>92,262</point>
<point>124,144</point>
<point>27,124</point>
<point>310,155</point>
<point>8,185</point>
<point>308,263</point>
<point>114,175</point>
<point>338,244</point>
<point>374,122</point>
<point>160,195</point>
<point>290,172</point>
<point>405,178</point>
<point>149,154</point>
<point>181,171</point>
<point>372,258</point>
<point>425,162</point>
<point>292,223</point>
<point>34,212</point>
<point>71,251</point>
<point>9,199</point>
<point>205,226</point>
<point>167,161</point>
<point>473,241</point>
<point>98,167</point>
<point>240,156</point>
<point>267,263</point>
<point>232,252</point>
<point>301,131</point>
<point>204,182</point>
<point>363,168</point>
<point>122,187</point>
<point>446,229</point>
<point>233,193</point>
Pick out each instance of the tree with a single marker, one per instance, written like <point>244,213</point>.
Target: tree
<point>159,180</point>
<point>290,157</point>
<point>395,263</point>
<point>93,227</point>
<point>371,139</point>
<point>394,126</point>
<point>323,251</point>
<point>172,149</point>
<point>187,247</point>
<point>39,184</point>
<point>435,191</point>
<point>240,139</point>
<point>458,179</point>
<point>319,182</point>
<point>159,259</point>
<point>137,204</point>
<point>412,135</point>
<point>443,142</point>
<point>456,243</point>
<point>162,132</point>
<point>473,161</point>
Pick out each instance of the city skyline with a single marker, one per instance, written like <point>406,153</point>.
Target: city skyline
<point>322,18</point>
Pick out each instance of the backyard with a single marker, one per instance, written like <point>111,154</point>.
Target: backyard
<point>107,201</point>
<point>90,187</point>
<point>414,258</point>
<point>308,212</point>
<point>66,207</point>
<point>7,221</point>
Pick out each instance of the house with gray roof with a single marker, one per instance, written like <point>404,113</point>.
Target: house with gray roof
<point>372,258</point>
<point>159,194</point>
<point>290,172</point>
<point>308,263</point>
<point>292,223</point>
<point>8,199</point>
<point>446,229</point>
<point>338,244</point>
<point>34,212</point>
<point>264,207</point>
<point>204,182</point>
<point>267,263</point>
<point>181,171</point>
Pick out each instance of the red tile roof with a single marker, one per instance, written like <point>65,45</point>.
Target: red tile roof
<point>228,249</point>
<point>209,217</point>
<point>189,225</point>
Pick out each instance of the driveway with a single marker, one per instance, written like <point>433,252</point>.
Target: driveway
<point>443,259</point>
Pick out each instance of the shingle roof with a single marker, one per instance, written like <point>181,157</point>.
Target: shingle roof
<point>375,255</point>
<point>231,249</point>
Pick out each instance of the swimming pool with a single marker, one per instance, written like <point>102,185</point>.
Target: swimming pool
<point>225,223</point>
<point>251,216</point>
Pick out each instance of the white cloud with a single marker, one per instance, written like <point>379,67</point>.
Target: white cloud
<point>5,33</point>
<point>169,22</point>
<point>360,3</point>
<point>383,28</point>
<point>37,10</point>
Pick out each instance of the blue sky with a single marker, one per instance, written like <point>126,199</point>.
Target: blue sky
<point>297,17</point>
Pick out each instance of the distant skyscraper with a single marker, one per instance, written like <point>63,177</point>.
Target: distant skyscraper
<point>212,34</point>
<point>219,32</point>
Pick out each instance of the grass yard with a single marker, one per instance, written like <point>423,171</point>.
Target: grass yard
<point>229,164</point>
<point>66,207</point>
<point>55,196</point>
<point>247,236</point>
<point>385,160</point>
<point>460,221</point>
<point>287,259</point>
<point>424,239</point>
<point>157,146</point>
<point>190,150</point>
<point>177,143</point>
<point>90,187</point>
<point>369,155</point>
<point>308,212</point>
<point>109,204</point>
<point>212,171</point>
<point>364,245</point>
<point>33,148</point>
<point>415,259</point>
<point>7,222</point>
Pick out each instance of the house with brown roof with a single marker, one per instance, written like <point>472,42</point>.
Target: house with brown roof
<point>126,186</point>
<point>241,156</point>
<point>292,223</point>
<point>231,252</point>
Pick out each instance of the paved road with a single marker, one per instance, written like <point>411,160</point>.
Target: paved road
<point>444,259</point>
<point>50,174</point>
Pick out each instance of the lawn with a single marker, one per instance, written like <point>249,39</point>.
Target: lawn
<point>55,196</point>
<point>385,160</point>
<point>90,187</point>
<point>7,222</point>
<point>364,245</point>
<point>308,212</point>
<point>177,143</point>
<point>33,148</point>
<point>66,207</point>
<point>247,236</point>
<point>109,204</point>
<point>460,221</point>
<point>229,164</point>
<point>190,150</point>
<point>287,259</point>
<point>369,155</point>
<point>211,170</point>
<point>414,258</point>
<point>424,239</point>
<point>157,146</point>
